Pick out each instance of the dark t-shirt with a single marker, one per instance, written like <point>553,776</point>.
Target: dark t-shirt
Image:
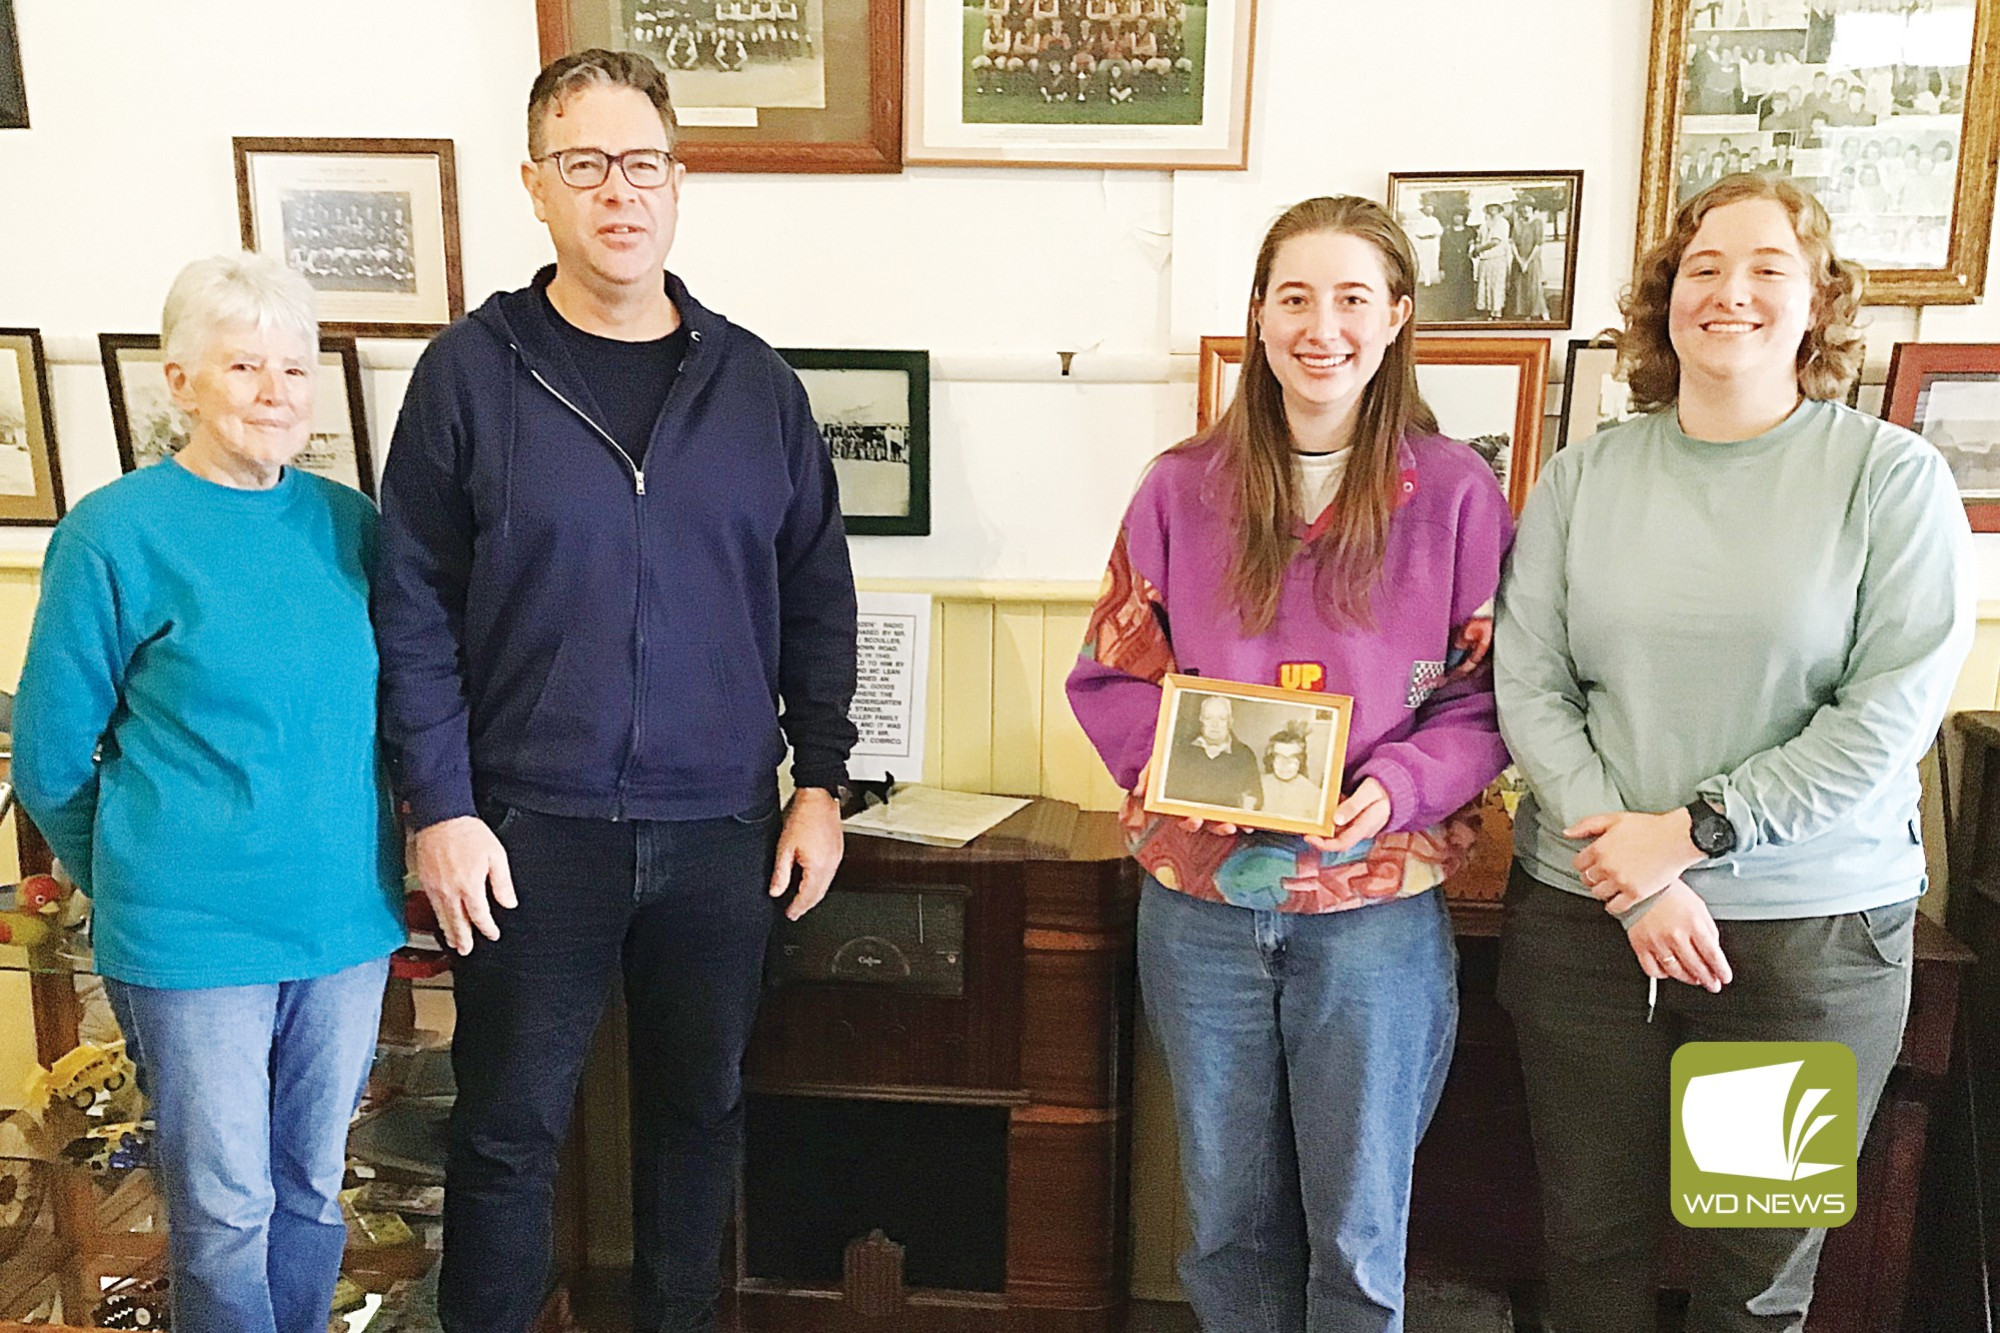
<point>1229,779</point>
<point>628,381</point>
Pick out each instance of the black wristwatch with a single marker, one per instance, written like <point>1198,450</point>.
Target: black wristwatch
<point>1709,829</point>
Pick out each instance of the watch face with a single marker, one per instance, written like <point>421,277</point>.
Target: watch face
<point>1713,834</point>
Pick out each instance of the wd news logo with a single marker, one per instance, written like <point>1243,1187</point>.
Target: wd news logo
<point>1764,1134</point>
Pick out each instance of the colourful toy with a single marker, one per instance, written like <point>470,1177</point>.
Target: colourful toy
<point>80,1077</point>
<point>37,912</point>
<point>106,1148</point>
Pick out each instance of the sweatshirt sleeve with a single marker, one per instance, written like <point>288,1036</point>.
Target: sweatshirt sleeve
<point>71,683</point>
<point>1114,688</point>
<point>1455,747</point>
<point>816,610</point>
<point>422,569</point>
<point>1913,627</point>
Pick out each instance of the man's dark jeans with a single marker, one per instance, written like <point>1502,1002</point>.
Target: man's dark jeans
<point>682,909</point>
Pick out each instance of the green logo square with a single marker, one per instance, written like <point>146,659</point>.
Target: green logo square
<point>1764,1134</point>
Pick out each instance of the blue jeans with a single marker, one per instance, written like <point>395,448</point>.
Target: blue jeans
<point>1307,1054</point>
<point>252,1088</point>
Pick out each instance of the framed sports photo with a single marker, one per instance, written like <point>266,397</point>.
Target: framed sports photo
<point>1487,392</point>
<point>759,85</point>
<point>371,223</point>
<point>1495,249</point>
<point>1593,395</point>
<point>1949,393</point>
<point>150,428</point>
<point>874,408</point>
<point>1253,755</point>
<point>1160,84</point>
<point>31,492</point>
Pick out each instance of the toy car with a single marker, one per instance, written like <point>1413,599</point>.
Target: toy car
<point>119,1147</point>
<point>80,1077</point>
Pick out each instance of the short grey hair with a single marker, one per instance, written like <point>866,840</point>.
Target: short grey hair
<point>240,289</point>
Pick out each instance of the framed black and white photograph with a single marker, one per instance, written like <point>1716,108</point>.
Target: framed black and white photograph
<point>1949,393</point>
<point>1593,395</point>
<point>151,429</point>
<point>1886,111</point>
<point>371,223</point>
<point>1253,755</point>
<point>1080,83</point>
<point>31,490</point>
<point>1495,249</point>
<point>13,86</point>
<point>874,408</point>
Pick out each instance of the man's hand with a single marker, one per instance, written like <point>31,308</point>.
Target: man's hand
<point>1634,855</point>
<point>1363,814</point>
<point>455,861</point>
<point>812,840</point>
<point>1676,939</point>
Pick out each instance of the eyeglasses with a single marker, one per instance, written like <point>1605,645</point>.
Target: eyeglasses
<point>588,168</point>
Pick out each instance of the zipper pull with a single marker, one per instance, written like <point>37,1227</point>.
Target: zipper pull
<point>639,480</point>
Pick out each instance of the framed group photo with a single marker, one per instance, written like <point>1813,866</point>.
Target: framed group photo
<point>1495,249</point>
<point>1888,113</point>
<point>372,224</point>
<point>1161,84</point>
<point>31,490</point>
<point>1949,393</point>
<point>759,85</point>
<point>874,410</point>
<point>1246,754</point>
<point>151,429</point>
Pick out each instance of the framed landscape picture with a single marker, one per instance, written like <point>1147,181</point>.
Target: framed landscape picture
<point>874,408</point>
<point>1495,249</point>
<point>759,85</point>
<point>371,223</point>
<point>31,490</point>
<point>1080,83</point>
<point>1253,755</point>
<point>1889,113</point>
<point>149,428</point>
<point>1949,393</point>
<point>1593,395</point>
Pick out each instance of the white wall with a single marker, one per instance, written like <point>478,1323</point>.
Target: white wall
<point>127,174</point>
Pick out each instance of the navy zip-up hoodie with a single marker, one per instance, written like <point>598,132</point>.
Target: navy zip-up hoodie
<point>571,630</point>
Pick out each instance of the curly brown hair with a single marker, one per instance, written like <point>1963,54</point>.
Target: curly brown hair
<point>1830,353</point>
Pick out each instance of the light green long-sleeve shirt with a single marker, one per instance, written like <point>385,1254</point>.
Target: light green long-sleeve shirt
<point>1775,624</point>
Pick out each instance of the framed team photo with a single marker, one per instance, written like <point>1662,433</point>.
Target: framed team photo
<point>1949,393</point>
<point>1495,249</point>
<point>1593,395</point>
<point>874,408</point>
<point>1889,113</point>
<point>1253,755</point>
<point>31,490</point>
<point>151,429</point>
<point>372,224</point>
<point>1079,83</point>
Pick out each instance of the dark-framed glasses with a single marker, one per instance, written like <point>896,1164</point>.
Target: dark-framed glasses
<point>587,168</point>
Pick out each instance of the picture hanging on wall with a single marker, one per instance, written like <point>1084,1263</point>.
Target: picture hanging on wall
<point>1593,395</point>
<point>13,87</point>
<point>1495,249</point>
<point>1949,393</point>
<point>1101,83</point>
<point>371,223</point>
<point>1890,114</point>
<point>150,428</point>
<point>759,85</point>
<point>1487,392</point>
<point>874,408</point>
<point>31,490</point>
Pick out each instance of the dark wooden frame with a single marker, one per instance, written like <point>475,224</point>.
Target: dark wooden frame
<point>28,342</point>
<point>1557,320</point>
<point>1962,280</point>
<point>706,149</point>
<point>109,345</point>
<point>916,367</point>
<point>1576,347</point>
<point>440,149</point>
<point>1911,366</point>
<point>13,83</point>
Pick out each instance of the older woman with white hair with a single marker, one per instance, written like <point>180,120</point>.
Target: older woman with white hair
<point>195,734</point>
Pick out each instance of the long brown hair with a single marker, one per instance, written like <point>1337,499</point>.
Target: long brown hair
<point>1262,494</point>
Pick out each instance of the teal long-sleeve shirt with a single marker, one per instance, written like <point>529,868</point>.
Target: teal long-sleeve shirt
<point>1775,624</point>
<point>212,647</point>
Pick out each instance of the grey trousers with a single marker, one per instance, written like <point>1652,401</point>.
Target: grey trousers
<point>1598,1078</point>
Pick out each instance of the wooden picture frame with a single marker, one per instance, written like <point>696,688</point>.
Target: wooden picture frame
<point>1506,428</point>
<point>1452,215</point>
<point>874,409</point>
<point>1934,386</point>
<point>371,223</point>
<point>149,429</point>
<point>1915,254</point>
<point>13,84</point>
<point>31,489</point>
<point>1261,725</point>
<point>856,56</point>
<point>1593,396</point>
<point>1186,105</point>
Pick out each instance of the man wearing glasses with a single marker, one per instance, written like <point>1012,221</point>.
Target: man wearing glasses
<point>611,551</point>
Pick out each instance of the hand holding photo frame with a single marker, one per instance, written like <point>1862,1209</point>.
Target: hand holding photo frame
<point>1252,755</point>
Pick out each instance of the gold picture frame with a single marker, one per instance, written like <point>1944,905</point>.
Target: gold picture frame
<point>1270,725</point>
